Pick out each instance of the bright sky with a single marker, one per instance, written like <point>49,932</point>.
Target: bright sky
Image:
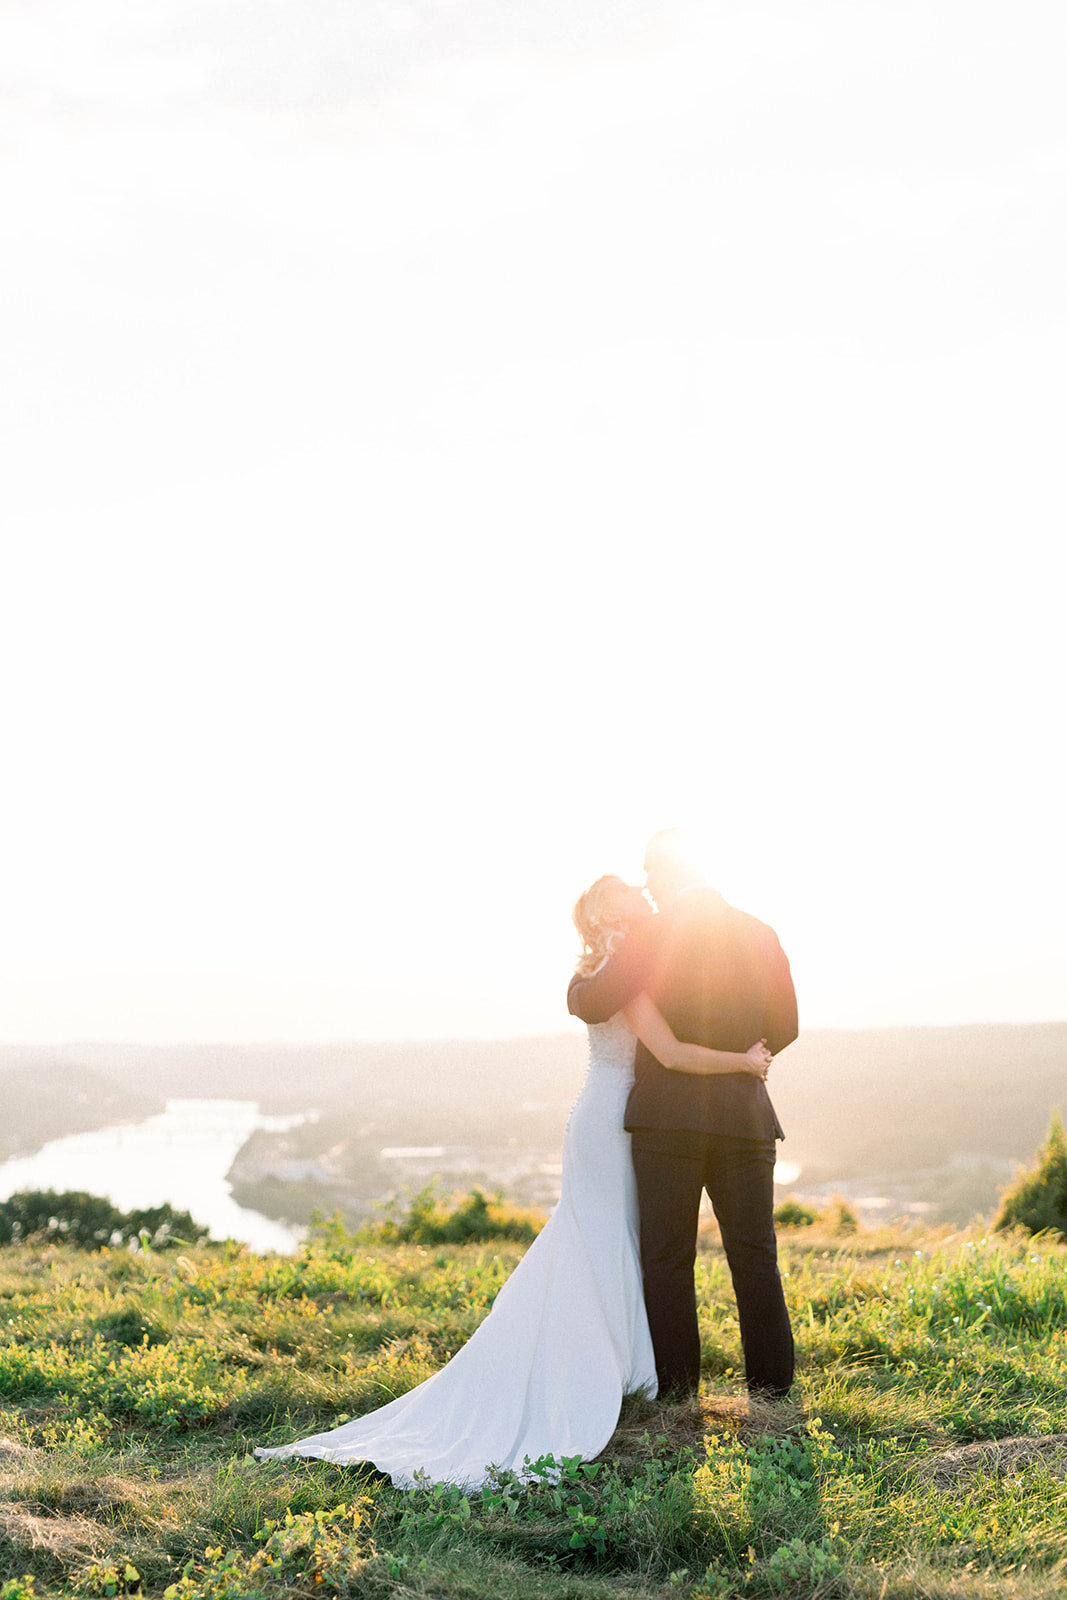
<point>445,441</point>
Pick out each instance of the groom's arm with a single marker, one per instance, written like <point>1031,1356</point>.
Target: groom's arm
<point>597,998</point>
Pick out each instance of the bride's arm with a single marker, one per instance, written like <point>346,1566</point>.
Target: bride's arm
<point>655,1033</point>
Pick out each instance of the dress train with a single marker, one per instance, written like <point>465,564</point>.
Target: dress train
<point>566,1338</point>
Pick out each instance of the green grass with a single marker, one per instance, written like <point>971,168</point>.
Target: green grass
<point>133,1388</point>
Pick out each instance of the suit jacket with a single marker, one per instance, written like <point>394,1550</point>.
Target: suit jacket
<point>721,979</point>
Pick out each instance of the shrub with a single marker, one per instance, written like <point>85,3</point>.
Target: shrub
<point>1037,1200</point>
<point>465,1219</point>
<point>90,1221</point>
<point>839,1216</point>
<point>793,1214</point>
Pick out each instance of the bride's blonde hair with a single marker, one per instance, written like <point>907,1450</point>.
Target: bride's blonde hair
<point>600,923</point>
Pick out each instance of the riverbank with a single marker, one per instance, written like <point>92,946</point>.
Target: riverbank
<point>179,1156</point>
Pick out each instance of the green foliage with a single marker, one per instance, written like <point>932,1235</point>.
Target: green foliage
<point>465,1219</point>
<point>800,1567</point>
<point>88,1220</point>
<point>756,1496</point>
<point>111,1580</point>
<point>1037,1201</point>
<point>837,1217</point>
<point>297,1554</point>
<point>572,1513</point>
<point>793,1214</point>
<point>173,1386</point>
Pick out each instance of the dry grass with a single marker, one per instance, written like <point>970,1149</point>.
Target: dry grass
<point>1002,1458</point>
<point>11,1450</point>
<point>668,1428</point>
<point>67,1539</point>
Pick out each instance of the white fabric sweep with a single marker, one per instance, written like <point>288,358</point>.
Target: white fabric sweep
<point>567,1335</point>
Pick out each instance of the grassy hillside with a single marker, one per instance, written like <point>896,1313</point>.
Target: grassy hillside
<point>919,1459</point>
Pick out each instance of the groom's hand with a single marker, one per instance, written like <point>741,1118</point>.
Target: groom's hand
<point>759,1059</point>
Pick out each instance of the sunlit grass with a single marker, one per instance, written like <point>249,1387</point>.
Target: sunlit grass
<point>133,1388</point>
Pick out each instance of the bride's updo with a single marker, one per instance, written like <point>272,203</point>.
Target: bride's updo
<point>601,916</point>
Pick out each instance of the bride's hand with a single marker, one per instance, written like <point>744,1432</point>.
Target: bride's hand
<point>759,1060</point>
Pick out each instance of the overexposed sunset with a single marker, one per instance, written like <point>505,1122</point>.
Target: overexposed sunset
<point>447,443</point>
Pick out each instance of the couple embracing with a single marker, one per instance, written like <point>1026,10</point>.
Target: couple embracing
<point>685,1008</point>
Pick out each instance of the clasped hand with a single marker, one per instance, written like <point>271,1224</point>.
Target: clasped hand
<point>759,1060</point>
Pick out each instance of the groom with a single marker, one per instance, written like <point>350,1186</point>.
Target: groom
<point>721,979</point>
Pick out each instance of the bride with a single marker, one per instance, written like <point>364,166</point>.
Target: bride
<point>567,1337</point>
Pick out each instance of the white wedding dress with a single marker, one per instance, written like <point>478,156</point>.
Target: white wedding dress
<point>567,1335</point>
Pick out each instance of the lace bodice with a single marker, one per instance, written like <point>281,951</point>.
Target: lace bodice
<point>612,1044</point>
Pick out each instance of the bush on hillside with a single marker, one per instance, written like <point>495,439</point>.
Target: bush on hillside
<point>1037,1200</point>
<point>836,1217</point>
<point>90,1221</point>
<point>839,1216</point>
<point>465,1219</point>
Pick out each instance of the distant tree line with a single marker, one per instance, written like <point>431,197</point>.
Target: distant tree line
<point>89,1221</point>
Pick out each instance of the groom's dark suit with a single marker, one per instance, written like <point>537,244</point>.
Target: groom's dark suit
<point>721,979</point>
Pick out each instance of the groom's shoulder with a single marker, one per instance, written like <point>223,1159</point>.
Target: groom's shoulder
<point>700,908</point>
<point>705,911</point>
<point>760,933</point>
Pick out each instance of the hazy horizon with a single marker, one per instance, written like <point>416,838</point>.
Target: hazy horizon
<point>575,1030</point>
<point>925,1115</point>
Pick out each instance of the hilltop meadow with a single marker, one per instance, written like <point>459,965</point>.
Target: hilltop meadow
<point>923,1454</point>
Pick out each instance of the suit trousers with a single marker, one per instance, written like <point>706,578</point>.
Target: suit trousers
<point>672,1167</point>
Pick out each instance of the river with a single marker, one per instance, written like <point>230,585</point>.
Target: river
<point>179,1157</point>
